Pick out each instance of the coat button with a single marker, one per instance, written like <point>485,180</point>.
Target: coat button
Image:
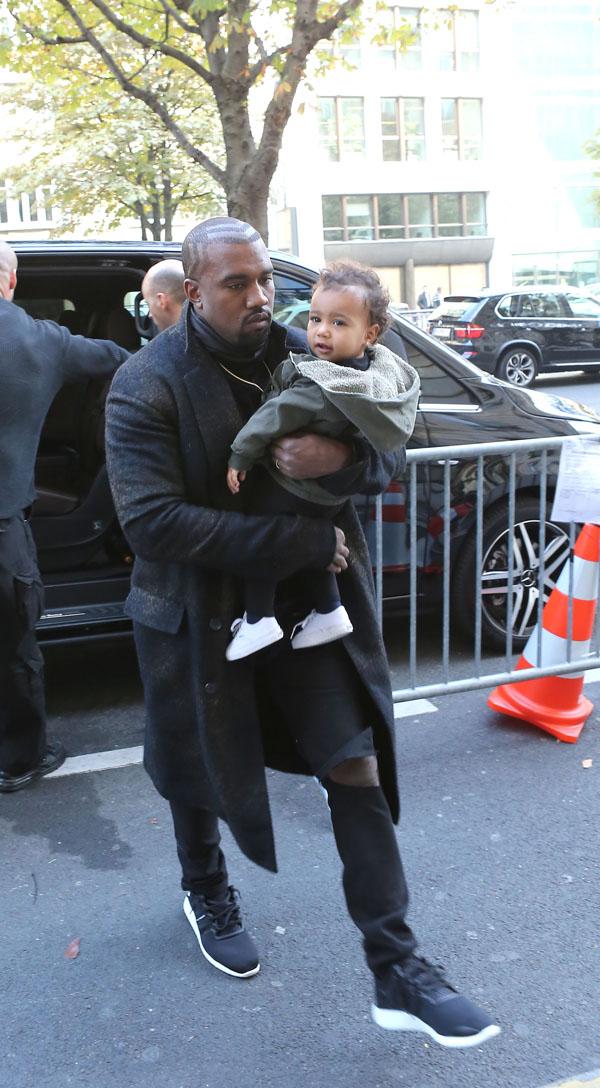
<point>215,624</point>
<point>210,688</point>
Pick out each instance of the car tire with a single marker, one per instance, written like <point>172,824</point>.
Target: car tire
<point>494,574</point>
<point>518,366</point>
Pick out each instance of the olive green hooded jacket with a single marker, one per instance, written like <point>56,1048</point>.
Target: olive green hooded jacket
<point>310,394</point>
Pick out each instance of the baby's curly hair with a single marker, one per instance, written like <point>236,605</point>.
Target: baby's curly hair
<point>353,274</point>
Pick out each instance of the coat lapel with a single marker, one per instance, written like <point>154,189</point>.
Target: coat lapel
<point>215,412</point>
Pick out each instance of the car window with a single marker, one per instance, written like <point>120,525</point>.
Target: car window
<point>508,306</point>
<point>527,306</point>
<point>582,305</point>
<point>460,306</point>
<point>438,385</point>
<point>291,296</point>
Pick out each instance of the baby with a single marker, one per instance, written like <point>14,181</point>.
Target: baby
<point>349,385</point>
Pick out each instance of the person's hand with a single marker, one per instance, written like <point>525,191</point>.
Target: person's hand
<point>306,456</point>
<point>235,477</point>
<point>340,558</point>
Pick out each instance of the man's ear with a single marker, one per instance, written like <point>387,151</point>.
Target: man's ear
<point>192,291</point>
<point>12,279</point>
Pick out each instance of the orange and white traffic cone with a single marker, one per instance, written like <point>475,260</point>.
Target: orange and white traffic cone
<point>557,703</point>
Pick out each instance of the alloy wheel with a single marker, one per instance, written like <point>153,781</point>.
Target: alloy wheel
<point>519,368</point>
<point>526,575</point>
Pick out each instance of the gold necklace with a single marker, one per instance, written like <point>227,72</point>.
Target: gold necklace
<point>245,380</point>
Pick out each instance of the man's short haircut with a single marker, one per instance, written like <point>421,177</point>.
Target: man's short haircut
<point>341,274</point>
<point>168,276</point>
<point>222,230</point>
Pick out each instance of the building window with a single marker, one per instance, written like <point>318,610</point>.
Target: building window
<point>342,127</point>
<point>402,128</point>
<point>461,128</point>
<point>420,215</point>
<point>403,215</point>
<point>459,41</point>
<point>34,207</point>
<point>394,56</point>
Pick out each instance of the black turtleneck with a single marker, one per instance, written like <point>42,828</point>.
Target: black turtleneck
<point>240,364</point>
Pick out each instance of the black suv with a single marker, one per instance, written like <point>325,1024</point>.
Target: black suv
<point>522,332</point>
<point>94,288</point>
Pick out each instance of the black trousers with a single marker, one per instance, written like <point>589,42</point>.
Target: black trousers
<point>22,707</point>
<point>319,700</point>
<point>319,588</point>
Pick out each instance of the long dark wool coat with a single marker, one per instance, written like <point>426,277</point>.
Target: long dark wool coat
<point>171,419</point>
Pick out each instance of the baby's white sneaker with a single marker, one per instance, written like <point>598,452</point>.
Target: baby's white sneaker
<point>248,638</point>
<point>320,627</point>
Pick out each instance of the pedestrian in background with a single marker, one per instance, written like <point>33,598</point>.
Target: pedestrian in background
<point>424,299</point>
<point>36,359</point>
<point>212,725</point>
<point>162,288</point>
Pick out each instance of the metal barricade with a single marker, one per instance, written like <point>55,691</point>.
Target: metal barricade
<point>447,457</point>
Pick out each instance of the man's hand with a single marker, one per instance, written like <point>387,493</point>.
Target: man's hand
<point>306,456</point>
<point>339,561</point>
<point>235,477</point>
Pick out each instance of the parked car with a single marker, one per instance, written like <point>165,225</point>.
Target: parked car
<point>520,333</point>
<point>93,287</point>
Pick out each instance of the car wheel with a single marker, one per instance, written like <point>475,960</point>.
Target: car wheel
<point>518,367</point>
<point>494,574</point>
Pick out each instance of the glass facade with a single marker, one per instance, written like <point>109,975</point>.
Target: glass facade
<point>462,134</point>
<point>342,127</point>
<point>403,215</point>
<point>402,128</point>
<point>458,39</point>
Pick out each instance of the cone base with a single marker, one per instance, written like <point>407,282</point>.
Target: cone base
<point>565,725</point>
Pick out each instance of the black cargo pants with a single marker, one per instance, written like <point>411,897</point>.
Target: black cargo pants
<point>22,709</point>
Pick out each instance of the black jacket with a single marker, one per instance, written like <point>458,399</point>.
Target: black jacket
<point>36,359</point>
<point>171,418</point>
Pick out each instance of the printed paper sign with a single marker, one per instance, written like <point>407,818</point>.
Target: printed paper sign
<point>577,496</point>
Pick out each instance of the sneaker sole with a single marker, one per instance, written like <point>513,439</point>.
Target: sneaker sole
<point>252,648</point>
<point>191,917</point>
<point>326,637</point>
<point>396,1020</point>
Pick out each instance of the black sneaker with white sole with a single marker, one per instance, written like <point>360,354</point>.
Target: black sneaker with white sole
<point>415,996</point>
<point>218,925</point>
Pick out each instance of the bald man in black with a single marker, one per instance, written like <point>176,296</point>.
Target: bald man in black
<point>36,359</point>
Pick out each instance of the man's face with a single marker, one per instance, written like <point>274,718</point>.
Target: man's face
<point>234,291</point>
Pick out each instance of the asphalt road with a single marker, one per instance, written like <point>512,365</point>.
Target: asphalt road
<point>500,843</point>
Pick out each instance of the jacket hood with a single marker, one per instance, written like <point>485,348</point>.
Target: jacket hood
<point>380,402</point>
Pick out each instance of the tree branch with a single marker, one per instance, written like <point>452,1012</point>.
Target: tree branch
<point>143,40</point>
<point>149,98</point>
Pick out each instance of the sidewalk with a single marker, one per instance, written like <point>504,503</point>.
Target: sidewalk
<point>500,846</point>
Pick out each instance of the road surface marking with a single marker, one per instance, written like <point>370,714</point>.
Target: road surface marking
<point>592,676</point>
<point>581,1080</point>
<point>99,761</point>
<point>413,707</point>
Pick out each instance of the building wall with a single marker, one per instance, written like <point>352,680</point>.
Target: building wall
<point>535,196</point>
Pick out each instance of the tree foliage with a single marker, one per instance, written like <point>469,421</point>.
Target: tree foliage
<point>108,157</point>
<point>250,57</point>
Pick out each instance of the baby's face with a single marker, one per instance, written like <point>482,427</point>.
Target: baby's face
<point>338,324</point>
